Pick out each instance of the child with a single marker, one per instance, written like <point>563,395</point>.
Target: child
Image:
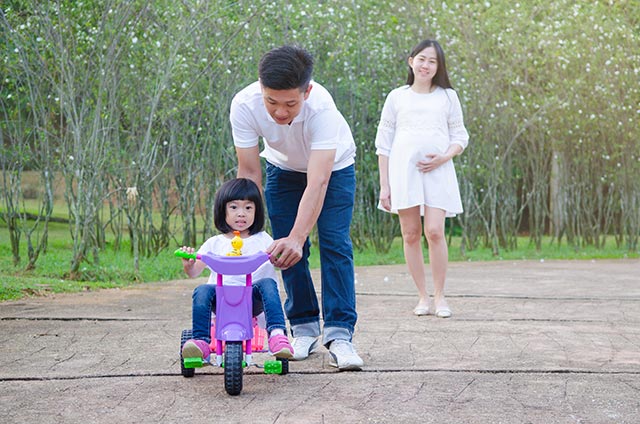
<point>421,129</point>
<point>238,207</point>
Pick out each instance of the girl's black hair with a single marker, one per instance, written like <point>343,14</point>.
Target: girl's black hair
<point>286,67</point>
<point>441,78</point>
<point>238,189</point>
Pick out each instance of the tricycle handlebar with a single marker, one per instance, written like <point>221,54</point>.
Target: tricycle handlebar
<point>228,265</point>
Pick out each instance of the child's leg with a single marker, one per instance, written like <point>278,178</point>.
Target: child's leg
<point>204,297</point>
<point>265,294</point>
<point>411,226</point>
<point>266,298</point>
<point>203,303</point>
<point>438,253</point>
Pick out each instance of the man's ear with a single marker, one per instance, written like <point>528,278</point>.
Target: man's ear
<point>306,93</point>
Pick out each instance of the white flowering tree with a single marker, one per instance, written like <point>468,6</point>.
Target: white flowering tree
<point>27,140</point>
<point>128,102</point>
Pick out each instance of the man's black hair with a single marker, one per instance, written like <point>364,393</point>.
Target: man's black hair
<point>286,67</point>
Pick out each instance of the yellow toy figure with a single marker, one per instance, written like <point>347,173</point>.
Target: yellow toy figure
<point>236,243</point>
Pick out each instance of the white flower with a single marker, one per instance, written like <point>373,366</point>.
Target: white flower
<point>132,194</point>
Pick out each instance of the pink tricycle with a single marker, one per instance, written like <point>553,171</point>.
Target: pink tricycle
<point>234,321</point>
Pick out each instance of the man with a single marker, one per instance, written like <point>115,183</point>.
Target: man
<point>310,180</point>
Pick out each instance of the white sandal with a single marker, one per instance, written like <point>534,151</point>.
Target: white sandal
<point>421,310</point>
<point>443,312</point>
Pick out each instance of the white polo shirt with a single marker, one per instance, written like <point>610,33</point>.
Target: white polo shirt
<point>318,126</point>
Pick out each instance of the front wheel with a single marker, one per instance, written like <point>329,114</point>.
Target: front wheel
<point>233,368</point>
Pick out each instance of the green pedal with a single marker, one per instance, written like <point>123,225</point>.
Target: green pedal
<point>273,367</point>
<point>193,362</point>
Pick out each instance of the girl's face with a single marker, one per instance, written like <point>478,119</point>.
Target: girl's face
<point>240,215</point>
<point>424,65</point>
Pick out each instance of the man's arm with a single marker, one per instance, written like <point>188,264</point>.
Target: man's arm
<point>287,251</point>
<point>249,165</point>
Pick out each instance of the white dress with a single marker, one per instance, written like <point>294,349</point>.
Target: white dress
<point>411,126</point>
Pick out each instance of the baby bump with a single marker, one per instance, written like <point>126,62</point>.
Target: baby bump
<point>412,148</point>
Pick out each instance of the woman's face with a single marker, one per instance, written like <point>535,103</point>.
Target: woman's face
<point>424,65</point>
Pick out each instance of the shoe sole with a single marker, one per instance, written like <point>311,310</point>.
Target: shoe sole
<point>190,350</point>
<point>283,354</point>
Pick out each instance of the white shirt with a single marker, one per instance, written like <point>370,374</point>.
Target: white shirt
<point>318,126</point>
<point>221,245</point>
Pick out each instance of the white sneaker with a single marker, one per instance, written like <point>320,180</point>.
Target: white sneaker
<point>303,346</point>
<point>344,356</point>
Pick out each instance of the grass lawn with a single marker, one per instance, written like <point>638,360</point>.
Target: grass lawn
<point>116,267</point>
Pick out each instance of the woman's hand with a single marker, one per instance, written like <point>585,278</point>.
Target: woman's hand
<point>434,160</point>
<point>385,198</point>
<point>431,162</point>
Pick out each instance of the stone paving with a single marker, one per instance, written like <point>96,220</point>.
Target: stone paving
<point>529,342</point>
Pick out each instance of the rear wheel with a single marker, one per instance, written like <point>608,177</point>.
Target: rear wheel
<point>186,372</point>
<point>285,366</point>
<point>233,368</point>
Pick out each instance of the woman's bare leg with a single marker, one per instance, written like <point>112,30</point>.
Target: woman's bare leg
<point>411,226</point>
<point>438,253</point>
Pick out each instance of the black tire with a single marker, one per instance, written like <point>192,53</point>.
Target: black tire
<point>233,368</point>
<point>186,372</point>
<point>285,366</point>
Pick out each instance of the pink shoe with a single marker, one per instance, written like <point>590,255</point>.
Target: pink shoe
<point>196,349</point>
<point>280,347</point>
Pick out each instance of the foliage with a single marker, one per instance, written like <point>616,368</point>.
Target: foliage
<point>128,102</point>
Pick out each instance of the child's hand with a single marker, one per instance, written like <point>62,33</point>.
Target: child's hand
<point>192,267</point>
<point>187,262</point>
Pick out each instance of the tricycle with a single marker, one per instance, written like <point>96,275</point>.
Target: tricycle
<point>233,329</point>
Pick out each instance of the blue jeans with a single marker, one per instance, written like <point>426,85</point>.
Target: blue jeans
<point>265,298</point>
<point>283,192</point>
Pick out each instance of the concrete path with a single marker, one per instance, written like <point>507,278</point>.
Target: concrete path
<point>529,342</point>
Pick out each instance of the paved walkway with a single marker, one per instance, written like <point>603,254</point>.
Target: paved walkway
<point>529,342</point>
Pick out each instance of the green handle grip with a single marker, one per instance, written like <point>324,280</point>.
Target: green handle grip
<point>182,254</point>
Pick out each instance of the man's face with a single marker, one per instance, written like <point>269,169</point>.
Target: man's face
<point>284,105</point>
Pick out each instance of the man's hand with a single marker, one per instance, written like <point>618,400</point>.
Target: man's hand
<point>286,252</point>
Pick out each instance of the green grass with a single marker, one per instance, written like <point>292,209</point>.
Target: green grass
<point>524,251</point>
<point>116,267</point>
